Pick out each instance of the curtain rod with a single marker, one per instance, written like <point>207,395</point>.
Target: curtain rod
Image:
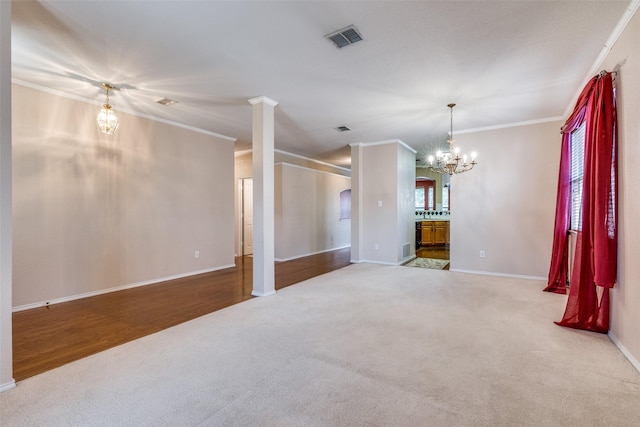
<point>604,72</point>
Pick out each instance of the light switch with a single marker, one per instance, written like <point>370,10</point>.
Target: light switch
<point>379,203</point>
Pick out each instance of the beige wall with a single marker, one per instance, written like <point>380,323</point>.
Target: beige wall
<point>380,213</point>
<point>307,207</point>
<point>505,206</point>
<point>625,301</point>
<point>327,235</point>
<point>383,195</point>
<point>406,231</point>
<point>94,212</point>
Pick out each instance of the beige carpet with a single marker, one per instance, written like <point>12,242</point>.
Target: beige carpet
<point>436,264</point>
<point>366,345</point>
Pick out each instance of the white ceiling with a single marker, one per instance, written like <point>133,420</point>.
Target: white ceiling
<point>502,62</point>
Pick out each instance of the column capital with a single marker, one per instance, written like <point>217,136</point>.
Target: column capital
<point>263,100</point>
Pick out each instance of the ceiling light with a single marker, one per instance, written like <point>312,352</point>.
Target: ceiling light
<point>107,120</point>
<point>451,162</point>
<point>345,37</point>
<point>166,101</point>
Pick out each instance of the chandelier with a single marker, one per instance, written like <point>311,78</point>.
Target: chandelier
<point>451,162</point>
<point>107,120</point>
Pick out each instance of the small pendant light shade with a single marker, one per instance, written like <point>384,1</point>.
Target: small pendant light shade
<point>107,120</point>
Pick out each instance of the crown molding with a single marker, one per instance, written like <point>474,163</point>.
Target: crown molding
<point>320,162</point>
<point>597,64</point>
<point>123,110</point>
<point>263,100</point>
<point>510,125</point>
<point>388,141</point>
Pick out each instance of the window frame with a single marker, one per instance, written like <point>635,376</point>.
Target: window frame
<point>577,176</point>
<point>429,193</point>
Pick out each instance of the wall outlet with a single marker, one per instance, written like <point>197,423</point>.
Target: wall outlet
<point>482,254</point>
<point>196,254</point>
<point>375,246</point>
<point>379,203</point>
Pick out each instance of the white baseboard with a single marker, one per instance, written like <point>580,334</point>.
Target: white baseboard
<point>489,273</point>
<point>262,294</point>
<point>312,253</point>
<point>625,351</point>
<point>368,261</point>
<point>7,386</point>
<point>115,289</point>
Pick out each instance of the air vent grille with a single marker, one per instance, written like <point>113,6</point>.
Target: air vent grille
<point>345,37</point>
<point>343,128</point>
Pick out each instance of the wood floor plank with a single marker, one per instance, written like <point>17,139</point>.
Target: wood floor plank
<point>48,337</point>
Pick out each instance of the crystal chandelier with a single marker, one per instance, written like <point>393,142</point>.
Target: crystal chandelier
<point>452,162</point>
<point>107,120</point>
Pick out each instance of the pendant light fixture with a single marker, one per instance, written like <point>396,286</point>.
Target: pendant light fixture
<point>107,120</point>
<point>451,163</point>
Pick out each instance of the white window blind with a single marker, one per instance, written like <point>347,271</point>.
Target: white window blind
<point>577,174</point>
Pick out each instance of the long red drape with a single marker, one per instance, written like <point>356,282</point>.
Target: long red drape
<point>595,263</point>
<point>560,252</point>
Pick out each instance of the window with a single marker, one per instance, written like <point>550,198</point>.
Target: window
<point>577,174</point>
<point>419,198</point>
<point>345,204</point>
<point>445,197</point>
<point>425,195</point>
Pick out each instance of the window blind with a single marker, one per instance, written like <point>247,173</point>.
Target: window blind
<point>577,174</point>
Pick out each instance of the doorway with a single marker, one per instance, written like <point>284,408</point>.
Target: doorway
<point>247,216</point>
<point>432,217</point>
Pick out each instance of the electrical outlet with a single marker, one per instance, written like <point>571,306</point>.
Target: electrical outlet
<point>482,254</point>
<point>196,254</point>
<point>375,246</point>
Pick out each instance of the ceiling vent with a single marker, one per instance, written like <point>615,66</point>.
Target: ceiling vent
<point>166,101</point>
<point>345,37</point>
<point>343,128</point>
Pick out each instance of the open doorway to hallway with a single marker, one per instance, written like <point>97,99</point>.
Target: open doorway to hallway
<point>246,189</point>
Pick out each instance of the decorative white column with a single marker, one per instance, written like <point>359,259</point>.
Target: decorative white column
<point>263,197</point>
<point>6,338</point>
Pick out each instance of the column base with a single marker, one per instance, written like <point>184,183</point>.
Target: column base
<point>262,294</point>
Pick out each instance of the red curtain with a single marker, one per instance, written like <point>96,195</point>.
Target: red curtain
<point>560,252</point>
<point>595,263</point>
<point>558,271</point>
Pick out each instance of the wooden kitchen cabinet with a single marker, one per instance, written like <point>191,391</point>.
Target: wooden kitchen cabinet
<point>435,232</point>
<point>427,233</point>
<point>440,232</point>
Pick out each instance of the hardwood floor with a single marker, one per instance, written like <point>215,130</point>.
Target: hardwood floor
<point>47,337</point>
<point>436,252</point>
